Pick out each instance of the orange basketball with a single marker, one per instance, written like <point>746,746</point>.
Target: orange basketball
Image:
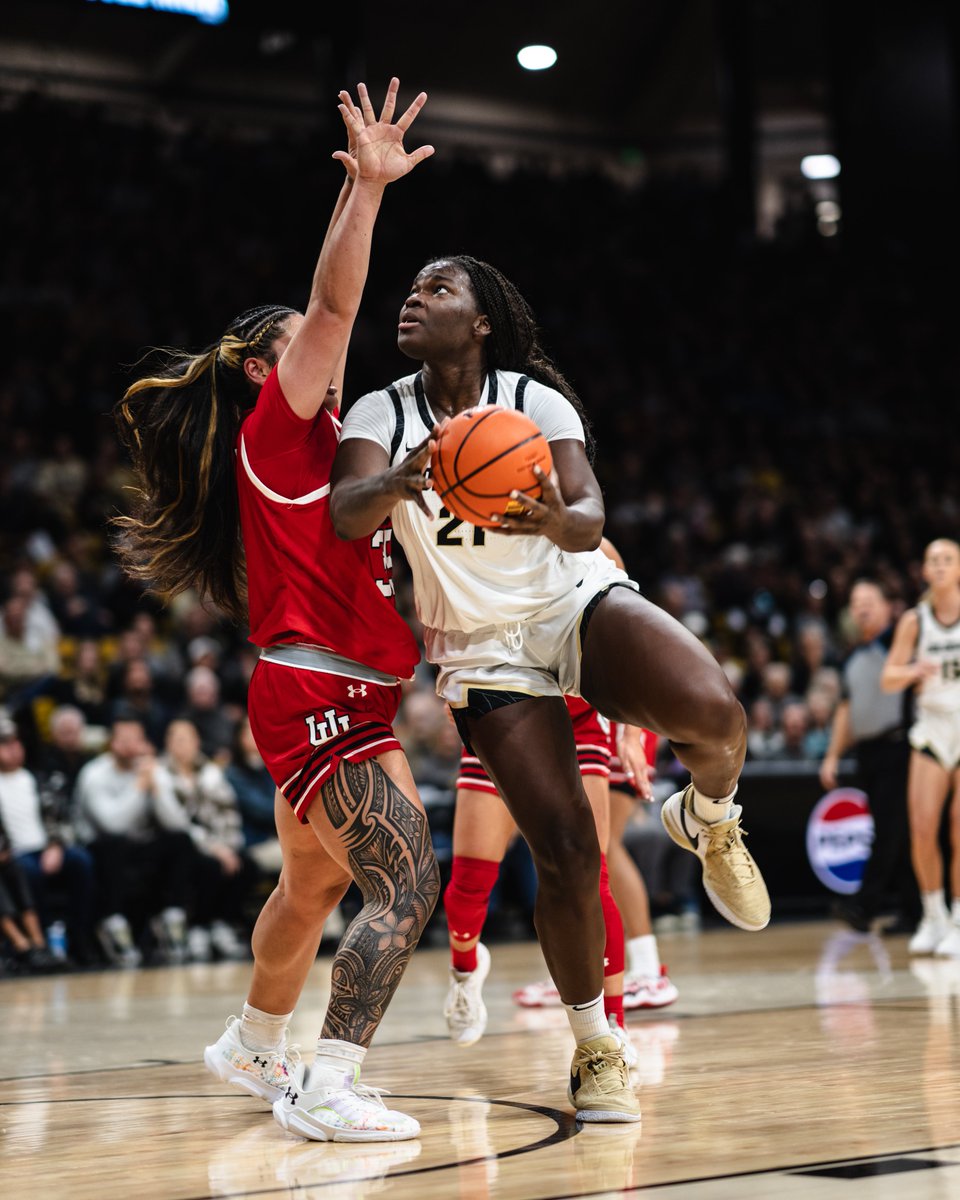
<point>482,455</point>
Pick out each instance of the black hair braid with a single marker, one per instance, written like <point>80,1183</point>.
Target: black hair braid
<point>514,341</point>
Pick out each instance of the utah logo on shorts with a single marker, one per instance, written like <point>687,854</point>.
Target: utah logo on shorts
<point>332,724</point>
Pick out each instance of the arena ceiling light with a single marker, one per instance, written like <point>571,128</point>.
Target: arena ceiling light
<point>210,12</point>
<point>536,58</point>
<point>820,166</point>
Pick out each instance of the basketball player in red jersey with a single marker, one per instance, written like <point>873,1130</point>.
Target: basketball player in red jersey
<point>516,621</point>
<point>233,449</point>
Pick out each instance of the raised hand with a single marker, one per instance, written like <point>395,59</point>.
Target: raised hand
<point>375,147</point>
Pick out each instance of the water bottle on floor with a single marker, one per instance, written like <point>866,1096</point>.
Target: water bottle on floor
<point>57,939</point>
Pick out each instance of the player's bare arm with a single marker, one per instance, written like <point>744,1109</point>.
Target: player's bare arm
<point>365,488</point>
<point>899,671</point>
<point>375,158</point>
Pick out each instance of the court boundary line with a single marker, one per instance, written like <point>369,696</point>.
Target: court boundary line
<point>786,1170</point>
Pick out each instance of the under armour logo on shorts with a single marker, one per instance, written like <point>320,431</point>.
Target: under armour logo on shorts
<point>359,690</point>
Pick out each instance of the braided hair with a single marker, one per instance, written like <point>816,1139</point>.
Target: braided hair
<point>514,340</point>
<point>180,425</point>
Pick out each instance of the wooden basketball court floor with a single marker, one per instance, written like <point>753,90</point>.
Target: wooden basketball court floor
<point>802,1062</point>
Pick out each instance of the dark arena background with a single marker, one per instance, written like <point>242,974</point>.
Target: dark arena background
<point>736,223</point>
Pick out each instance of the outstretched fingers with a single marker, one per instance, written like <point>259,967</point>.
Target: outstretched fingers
<point>369,116</point>
<point>410,115</point>
<point>390,103</point>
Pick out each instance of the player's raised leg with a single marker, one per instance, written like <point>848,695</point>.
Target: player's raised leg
<point>642,667</point>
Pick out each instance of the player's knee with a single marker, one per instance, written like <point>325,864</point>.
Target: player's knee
<point>305,897</point>
<point>568,858</point>
<point>714,717</point>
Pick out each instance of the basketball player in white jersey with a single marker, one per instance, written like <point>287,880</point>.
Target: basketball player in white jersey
<point>925,655</point>
<point>518,616</point>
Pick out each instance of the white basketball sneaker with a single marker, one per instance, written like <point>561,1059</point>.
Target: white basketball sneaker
<point>542,994</point>
<point>930,933</point>
<point>949,946</point>
<point>325,1109</point>
<point>653,992</point>
<point>465,1010</point>
<point>262,1073</point>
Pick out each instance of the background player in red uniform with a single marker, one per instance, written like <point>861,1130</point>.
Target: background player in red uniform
<point>233,448</point>
<point>482,832</point>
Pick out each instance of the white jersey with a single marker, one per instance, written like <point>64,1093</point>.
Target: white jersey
<point>940,644</point>
<point>466,578</point>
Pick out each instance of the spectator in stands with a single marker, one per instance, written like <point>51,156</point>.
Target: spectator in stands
<point>764,739</point>
<point>776,689</point>
<point>137,702</point>
<point>58,768</point>
<point>820,709</point>
<point>226,874</point>
<point>143,854</point>
<point>60,875</point>
<point>85,685</point>
<point>794,723</point>
<point>255,790</point>
<point>19,922</point>
<point>74,603</point>
<point>203,710</point>
<point>41,631</point>
<point>26,663</point>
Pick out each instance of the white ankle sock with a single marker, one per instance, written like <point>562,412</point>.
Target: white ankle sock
<point>955,912</point>
<point>588,1020</point>
<point>262,1030</point>
<point>337,1064</point>
<point>935,906</point>
<point>643,957</point>
<point>712,811</point>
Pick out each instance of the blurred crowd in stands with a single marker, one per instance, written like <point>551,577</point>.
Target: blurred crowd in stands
<point>767,423</point>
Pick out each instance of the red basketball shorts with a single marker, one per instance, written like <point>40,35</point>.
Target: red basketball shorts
<point>591,732</point>
<point>304,722</point>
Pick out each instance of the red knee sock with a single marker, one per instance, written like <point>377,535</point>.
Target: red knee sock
<point>614,954</point>
<point>465,902</point>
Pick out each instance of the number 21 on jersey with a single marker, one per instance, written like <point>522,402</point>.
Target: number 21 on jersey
<point>447,534</point>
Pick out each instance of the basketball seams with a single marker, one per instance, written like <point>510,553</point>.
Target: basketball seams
<point>452,490</point>
<point>461,482</point>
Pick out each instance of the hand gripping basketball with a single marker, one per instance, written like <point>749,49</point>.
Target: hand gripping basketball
<point>481,457</point>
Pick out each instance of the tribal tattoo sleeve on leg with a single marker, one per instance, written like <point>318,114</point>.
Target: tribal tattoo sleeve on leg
<point>388,844</point>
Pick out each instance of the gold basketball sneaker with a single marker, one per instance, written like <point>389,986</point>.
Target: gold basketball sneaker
<point>731,878</point>
<point>600,1082</point>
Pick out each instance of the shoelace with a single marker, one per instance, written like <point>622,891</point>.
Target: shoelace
<point>730,844</point>
<point>460,1004</point>
<point>606,1066</point>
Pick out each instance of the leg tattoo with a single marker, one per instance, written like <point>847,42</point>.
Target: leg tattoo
<point>391,857</point>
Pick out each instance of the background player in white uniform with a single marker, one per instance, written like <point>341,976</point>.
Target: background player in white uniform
<point>925,654</point>
<point>513,622</point>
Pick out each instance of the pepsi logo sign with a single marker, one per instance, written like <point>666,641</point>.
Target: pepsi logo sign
<point>839,839</point>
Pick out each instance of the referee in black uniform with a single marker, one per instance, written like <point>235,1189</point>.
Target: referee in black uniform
<point>874,724</point>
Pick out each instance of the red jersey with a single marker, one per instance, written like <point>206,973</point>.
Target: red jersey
<point>305,584</point>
